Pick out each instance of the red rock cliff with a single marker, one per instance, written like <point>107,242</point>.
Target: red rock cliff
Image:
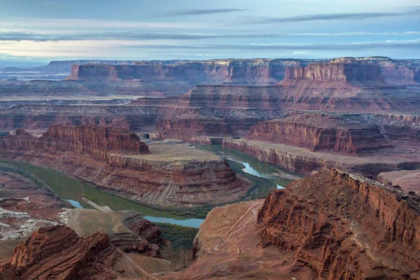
<point>58,253</point>
<point>345,133</point>
<point>336,72</point>
<point>92,140</point>
<point>345,227</point>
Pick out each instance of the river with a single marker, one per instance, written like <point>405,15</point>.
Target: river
<point>73,190</point>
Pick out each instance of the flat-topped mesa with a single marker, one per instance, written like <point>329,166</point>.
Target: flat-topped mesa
<point>253,71</point>
<point>93,140</point>
<point>345,85</point>
<point>395,72</point>
<point>338,72</point>
<point>349,134</point>
<point>342,226</point>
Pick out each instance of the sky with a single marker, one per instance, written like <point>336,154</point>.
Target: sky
<point>44,30</point>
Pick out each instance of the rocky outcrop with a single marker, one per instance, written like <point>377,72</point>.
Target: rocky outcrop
<point>344,227</point>
<point>92,140</point>
<point>395,72</point>
<point>339,133</point>
<point>58,253</point>
<point>337,71</point>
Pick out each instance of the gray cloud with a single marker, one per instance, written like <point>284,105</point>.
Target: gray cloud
<point>197,12</point>
<point>143,36</point>
<point>336,16</point>
<point>409,44</point>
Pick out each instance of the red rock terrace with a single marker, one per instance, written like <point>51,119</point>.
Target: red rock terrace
<point>338,133</point>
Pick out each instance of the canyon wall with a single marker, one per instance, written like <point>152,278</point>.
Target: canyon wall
<point>345,85</point>
<point>188,128</point>
<point>256,71</point>
<point>337,72</point>
<point>304,161</point>
<point>95,141</point>
<point>363,230</point>
<point>344,134</point>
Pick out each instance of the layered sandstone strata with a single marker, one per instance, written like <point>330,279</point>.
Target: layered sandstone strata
<point>395,72</point>
<point>212,96</point>
<point>172,175</point>
<point>304,161</point>
<point>331,225</point>
<point>58,253</point>
<point>344,227</point>
<point>344,86</point>
<point>187,129</point>
<point>192,72</point>
<point>91,140</point>
<point>339,133</point>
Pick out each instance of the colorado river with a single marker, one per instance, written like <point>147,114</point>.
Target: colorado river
<point>73,190</point>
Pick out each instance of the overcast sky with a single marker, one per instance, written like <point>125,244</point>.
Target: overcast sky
<point>42,30</point>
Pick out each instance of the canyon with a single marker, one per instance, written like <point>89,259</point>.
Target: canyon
<point>351,125</point>
<point>161,175</point>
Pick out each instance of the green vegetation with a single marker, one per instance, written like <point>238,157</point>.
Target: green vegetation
<point>181,238</point>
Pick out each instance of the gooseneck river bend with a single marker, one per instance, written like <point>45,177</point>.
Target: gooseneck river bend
<point>74,190</point>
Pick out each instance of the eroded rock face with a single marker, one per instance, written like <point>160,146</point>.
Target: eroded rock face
<point>345,134</point>
<point>344,85</point>
<point>95,141</point>
<point>92,139</point>
<point>189,128</point>
<point>345,227</point>
<point>58,253</point>
<point>253,71</point>
<point>337,72</point>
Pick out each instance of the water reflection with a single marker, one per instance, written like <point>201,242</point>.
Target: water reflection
<point>73,190</point>
<point>75,203</point>
<point>254,167</point>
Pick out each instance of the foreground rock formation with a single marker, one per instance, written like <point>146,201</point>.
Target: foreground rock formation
<point>58,253</point>
<point>172,175</point>
<point>345,227</point>
<point>332,225</point>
